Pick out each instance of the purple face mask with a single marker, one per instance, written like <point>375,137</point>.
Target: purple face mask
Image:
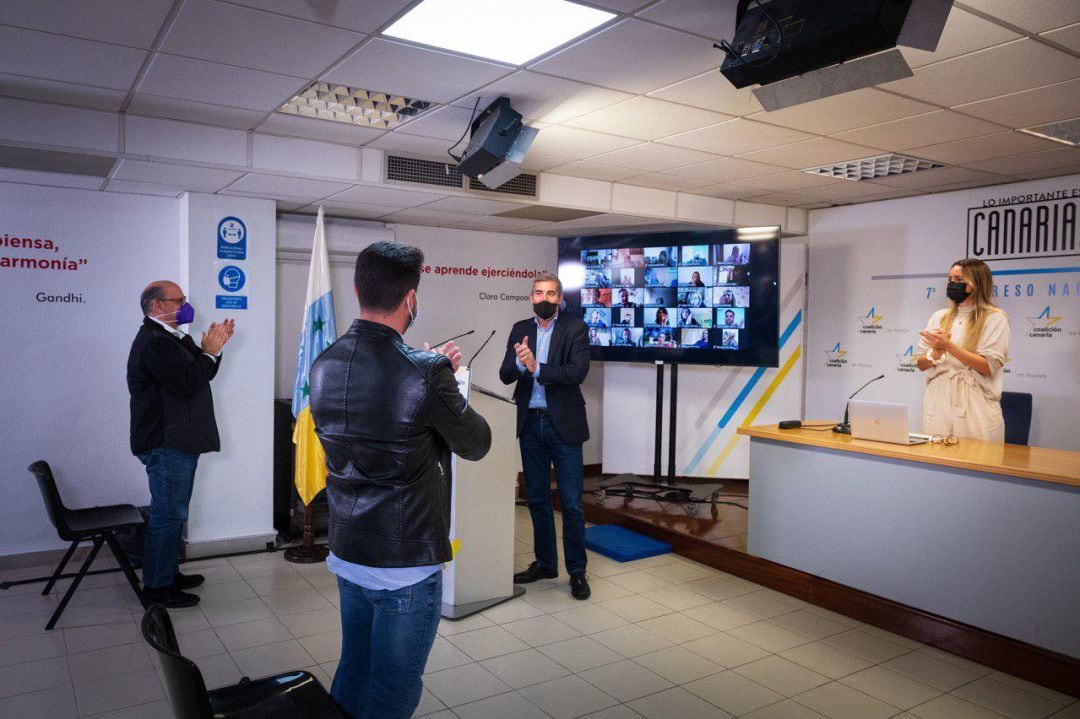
<point>185,315</point>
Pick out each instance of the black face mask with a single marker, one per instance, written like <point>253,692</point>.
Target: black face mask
<point>545,310</point>
<point>957,291</point>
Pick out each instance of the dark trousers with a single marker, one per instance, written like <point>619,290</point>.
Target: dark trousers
<point>542,447</point>
<point>172,477</point>
<point>386,636</point>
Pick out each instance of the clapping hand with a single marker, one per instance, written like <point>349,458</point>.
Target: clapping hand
<point>525,355</point>
<point>216,337</point>
<point>448,350</point>
<point>937,339</point>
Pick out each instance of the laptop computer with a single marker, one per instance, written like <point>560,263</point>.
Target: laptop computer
<point>882,422</point>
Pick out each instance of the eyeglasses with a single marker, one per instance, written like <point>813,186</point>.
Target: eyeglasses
<point>949,440</point>
<point>179,300</point>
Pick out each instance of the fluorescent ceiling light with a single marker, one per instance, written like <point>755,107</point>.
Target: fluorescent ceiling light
<point>513,31</point>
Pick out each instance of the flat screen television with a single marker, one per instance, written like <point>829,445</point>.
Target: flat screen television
<point>695,297</point>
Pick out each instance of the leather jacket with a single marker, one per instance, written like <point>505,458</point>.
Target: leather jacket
<point>389,417</point>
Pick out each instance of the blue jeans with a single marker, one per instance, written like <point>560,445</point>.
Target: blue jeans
<point>386,636</point>
<point>172,476</point>
<point>541,446</point>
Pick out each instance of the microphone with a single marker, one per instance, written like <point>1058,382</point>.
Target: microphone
<point>455,337</point>
<point>845,426</point>
<point>469,363</point>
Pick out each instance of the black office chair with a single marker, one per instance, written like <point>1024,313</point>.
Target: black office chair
<point>293,694</point>
<point>95,524</point>
<point>1016,407</point>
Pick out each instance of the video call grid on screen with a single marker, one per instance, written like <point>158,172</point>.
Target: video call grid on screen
<point>706,297</point>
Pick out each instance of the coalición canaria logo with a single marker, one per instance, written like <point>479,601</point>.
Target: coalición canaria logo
<point>905,361</point>
<point>836,356</point>
<point>1045,324</point>
<point>870,323</point>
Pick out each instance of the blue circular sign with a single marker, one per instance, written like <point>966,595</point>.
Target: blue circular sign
<point>232,230</point>
<point>231,278</point>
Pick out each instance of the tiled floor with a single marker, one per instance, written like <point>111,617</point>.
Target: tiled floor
<point>660,638</point>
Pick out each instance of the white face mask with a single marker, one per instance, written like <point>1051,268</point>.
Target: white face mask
<point>414,313</point>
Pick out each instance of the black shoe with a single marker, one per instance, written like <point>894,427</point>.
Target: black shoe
<point>170,597</point>
<point>534,572</point>
<point>187,581</point>
<point>579,586</point>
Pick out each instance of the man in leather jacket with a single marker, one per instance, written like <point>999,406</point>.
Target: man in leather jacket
<point>389,416</point>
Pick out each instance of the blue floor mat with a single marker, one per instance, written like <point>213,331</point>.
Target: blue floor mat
<point>623,544</point>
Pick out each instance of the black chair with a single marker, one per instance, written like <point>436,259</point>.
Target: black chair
<point>95,524</point>
<point>1016,407</point>
<point>293,694</point>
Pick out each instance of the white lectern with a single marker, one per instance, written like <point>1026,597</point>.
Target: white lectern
<point>482,514</point>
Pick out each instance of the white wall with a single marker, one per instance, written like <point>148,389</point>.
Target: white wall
<point>713,401</point>
<point>891,258</point>
<point>64,364</point>
<point>449,305</point>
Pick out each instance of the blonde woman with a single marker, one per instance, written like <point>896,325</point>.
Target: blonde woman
<point>966,347</point>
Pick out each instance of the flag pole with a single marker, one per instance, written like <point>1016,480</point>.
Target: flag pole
<point>308,552</point>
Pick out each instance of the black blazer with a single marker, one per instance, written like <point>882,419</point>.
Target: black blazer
<point>171,403</point>
<point>561,375</point>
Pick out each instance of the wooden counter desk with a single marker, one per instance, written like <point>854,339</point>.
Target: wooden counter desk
<point>979,533</point>
<point>1014,460</point>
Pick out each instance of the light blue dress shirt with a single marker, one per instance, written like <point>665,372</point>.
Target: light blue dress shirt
<point>538,399</point>
<point>379,577</point>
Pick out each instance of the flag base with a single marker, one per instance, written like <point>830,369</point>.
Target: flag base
<point>307,555</point>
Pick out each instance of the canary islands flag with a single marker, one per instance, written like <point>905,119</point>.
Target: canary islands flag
<point>317,334</point>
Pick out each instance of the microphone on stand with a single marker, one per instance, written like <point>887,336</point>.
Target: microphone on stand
<point>845,426</point>
<point>455,337</point>
<point>469,363</point>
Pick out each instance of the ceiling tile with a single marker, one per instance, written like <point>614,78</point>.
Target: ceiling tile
<point>712,91</point>
<point>68,59</point>
<point>784,199</point>
<point>359,15</point>
<point>315,129</point>
<point>664,181</point>
<point>422,216</point>
<point>233,35</point>
<point>736,137</point>
<point>592,170</point>
<point>625,6</point>
<point>385,196</point>
<point>987,147</point>
<point>498,224</point>
<point>701,17</point>
<point>728,169</point>
<point>25,121</point>
<point>942,125</point>
<point>633,56</point>
<point>538,162</point>
<point>1065,159</point>
<point>209,82</point>
<point>786,181</point>
<point>91,19</point>
<point>1029,108</point>
<point>353,211</point>
<point>471,205</point>
<point>1037,16</point>
<point>647,119</point>
<point>286,186</point>
<point>447,123</point>
<point>143,188</point>
<point>846,190</point>
<point>930,178</point>
<point>415,145</point>
<point>996,71</point>
<point>653,157</point>
<point>546,98</point>
<point>190,111</point>
<point>964,33</point>
<point>35,88</point>
<point>285,203</point>
<point>985,179</point>
<point>1066,37</point>
<point>810,153</point>
<point>305,157</point>
<point>184,141</point>
<point>203,179</point>
<point>53,179</point>
<point>575,143</point>
<point>848,111</point>
<point>415,72</point>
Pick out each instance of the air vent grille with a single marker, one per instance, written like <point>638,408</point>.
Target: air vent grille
<point>523,185</point>
<point>423,172</point>
<point>1066,132</point>
<point>869,168</point>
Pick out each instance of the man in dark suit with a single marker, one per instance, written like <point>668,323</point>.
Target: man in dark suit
<point>172,423</point>
<point>548,357</point>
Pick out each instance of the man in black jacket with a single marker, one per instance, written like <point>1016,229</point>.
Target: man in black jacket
<point>548,357</point>
<point>172,423</point>
<point>389,417</point>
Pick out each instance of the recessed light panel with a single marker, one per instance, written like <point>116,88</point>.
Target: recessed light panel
<point>352,105</point>
<point>1066,132</point>
<point>871,168</point>
<point>512,31</point>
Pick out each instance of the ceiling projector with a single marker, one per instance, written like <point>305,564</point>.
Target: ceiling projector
<point>498,142</point>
